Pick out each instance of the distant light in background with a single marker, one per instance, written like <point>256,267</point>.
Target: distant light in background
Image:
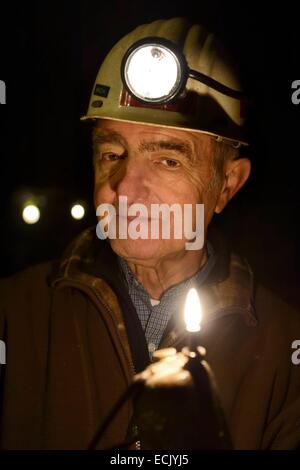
<point>77,211</point>
<point>31,214</point>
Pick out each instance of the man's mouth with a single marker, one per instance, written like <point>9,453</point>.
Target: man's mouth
<point>129,218</point>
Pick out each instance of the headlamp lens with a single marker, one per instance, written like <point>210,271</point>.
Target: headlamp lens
<point>152,73</point>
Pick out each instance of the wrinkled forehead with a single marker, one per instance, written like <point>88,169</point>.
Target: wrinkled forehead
<point>127,132</point>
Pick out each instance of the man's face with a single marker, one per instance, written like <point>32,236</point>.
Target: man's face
<point>152,165</point>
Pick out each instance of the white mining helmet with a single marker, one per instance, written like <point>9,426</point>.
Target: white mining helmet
<point>174,74</point>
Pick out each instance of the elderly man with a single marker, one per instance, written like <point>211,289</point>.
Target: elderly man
<point>168,130</point>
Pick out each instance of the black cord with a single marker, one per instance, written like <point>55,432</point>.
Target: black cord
<point>215,85</point>
<point>132,391</point>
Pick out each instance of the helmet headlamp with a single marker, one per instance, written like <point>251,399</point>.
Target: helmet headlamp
<point>154,70</point>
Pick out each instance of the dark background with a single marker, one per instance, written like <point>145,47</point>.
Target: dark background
<point>49,56</point>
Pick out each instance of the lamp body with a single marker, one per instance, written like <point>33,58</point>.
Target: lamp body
<point>182,410</point>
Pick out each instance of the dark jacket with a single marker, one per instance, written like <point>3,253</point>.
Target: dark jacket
<point>74,342</point>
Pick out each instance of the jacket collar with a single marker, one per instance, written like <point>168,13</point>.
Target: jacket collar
<point>227,290</point>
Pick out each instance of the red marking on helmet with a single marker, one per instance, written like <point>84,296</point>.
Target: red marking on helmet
<point>184,105</point>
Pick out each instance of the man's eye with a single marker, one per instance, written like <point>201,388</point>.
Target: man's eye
<point>170,163</point>
<point>112,157</point>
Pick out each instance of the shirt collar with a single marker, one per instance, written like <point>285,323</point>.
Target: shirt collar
<point>174,292</point>
<point>228,288</point>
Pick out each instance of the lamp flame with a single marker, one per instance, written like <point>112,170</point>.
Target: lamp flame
<point>192,311</point>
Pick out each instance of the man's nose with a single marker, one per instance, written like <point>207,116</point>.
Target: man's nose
<point>132,181</point>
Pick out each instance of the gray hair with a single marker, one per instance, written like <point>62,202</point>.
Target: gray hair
<point>222,151</point>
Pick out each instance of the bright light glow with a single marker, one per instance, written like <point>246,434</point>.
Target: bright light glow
<point>192,311</point>
<point>152,72</point>
<point>77,211</point>
<point>31,214</point>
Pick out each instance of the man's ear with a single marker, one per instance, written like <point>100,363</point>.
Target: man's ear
<point>236,173</point>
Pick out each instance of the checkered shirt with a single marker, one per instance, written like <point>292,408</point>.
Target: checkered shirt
<point>154,318</point>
